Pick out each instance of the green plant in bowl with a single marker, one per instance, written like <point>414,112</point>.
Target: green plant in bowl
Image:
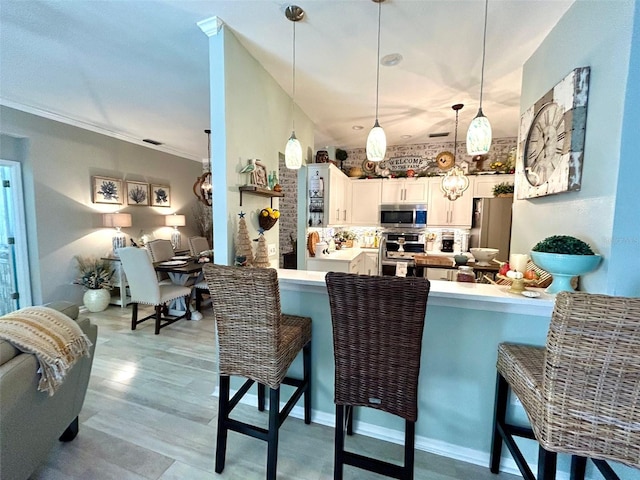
<point>564,257</point>
<point>503,189</point>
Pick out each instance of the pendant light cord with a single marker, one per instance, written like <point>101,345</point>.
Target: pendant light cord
<point>455,140</point>
<point>378,60</point>
<point>293,93</point>
<point>484,47</point>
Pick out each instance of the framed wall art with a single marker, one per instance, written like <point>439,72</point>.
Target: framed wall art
<point>160,196</point>
<point>551,139</point>
<point>107,190</point>
<point>137,193</point>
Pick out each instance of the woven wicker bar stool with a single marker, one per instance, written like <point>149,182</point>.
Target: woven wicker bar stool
<point>581,393</point>
<point>377,341</point>
<point>259,343</point>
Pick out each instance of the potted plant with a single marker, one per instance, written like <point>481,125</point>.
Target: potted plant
<point>503,190</point>
<point>564,257</point>
<point>345,238</point>
<point>95,275</point>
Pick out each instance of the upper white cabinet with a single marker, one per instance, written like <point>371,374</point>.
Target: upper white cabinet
<point>405,190</point>
<point>483,184</point>
<point>442,212</point>
<point>365,201</point>
<point>329,197</point>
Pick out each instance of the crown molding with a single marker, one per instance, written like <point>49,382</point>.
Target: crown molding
<point>211,26</point>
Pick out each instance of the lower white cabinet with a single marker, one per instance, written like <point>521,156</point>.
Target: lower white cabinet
<point>370,263</point>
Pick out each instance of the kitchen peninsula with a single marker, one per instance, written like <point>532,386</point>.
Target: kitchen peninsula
<point>464,324</point>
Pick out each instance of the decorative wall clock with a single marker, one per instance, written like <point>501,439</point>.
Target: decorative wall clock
<point>551,139</point>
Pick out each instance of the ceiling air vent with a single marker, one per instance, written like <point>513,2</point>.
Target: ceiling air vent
<point>439,134</point>
<point>152,142</point>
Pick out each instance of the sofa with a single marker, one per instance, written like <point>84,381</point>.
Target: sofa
<point>31,421</point>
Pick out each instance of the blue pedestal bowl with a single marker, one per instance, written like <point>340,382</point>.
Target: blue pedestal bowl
<point>564,267</point>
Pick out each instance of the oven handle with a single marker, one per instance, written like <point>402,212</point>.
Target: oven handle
<point>382,247</point>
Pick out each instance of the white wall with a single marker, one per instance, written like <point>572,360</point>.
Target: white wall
<point>62,221</point>
<point>250,118</point>
<point>589,213</point>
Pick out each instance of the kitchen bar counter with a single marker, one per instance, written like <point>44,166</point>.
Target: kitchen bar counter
<point>464,324</point>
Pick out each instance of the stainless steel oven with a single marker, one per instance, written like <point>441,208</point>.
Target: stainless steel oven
<point>400,246</point>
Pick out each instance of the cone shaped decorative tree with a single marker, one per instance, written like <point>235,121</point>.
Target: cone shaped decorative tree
<point>243,245</point>
<point>262,254</point>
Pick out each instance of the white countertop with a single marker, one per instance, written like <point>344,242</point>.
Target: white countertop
<point>479,296</point>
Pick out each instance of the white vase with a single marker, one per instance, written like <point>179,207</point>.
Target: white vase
<point>96,300</point>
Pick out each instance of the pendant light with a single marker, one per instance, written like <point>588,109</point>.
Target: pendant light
<point>479,133</point>
<point>455,182</point>
<point>377,140</point>
<point>293,150</point>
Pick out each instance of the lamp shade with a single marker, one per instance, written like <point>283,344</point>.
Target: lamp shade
<point>454,183</point>
<point>175,220</point>
<point>116,220</point>
<point>293,153</point>
<point>376,144</point>
<point>479,135</point>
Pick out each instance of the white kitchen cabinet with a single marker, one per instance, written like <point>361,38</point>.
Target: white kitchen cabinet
<point>365,202</point>
<point>442,212</point>
<point>370,263</point>
<point>405,190</point>
<point>483,184</point>
<point>335,208</point>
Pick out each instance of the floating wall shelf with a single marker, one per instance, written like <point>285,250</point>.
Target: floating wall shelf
<point>263,192</point>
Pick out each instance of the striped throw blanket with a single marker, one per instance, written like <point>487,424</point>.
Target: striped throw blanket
<point>55,339</point>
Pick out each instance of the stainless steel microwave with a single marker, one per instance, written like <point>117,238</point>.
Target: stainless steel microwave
<point>403,215</point>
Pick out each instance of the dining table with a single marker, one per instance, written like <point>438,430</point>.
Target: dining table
<point>186,271</point>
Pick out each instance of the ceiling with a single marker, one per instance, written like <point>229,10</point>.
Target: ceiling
<point>139,68</point>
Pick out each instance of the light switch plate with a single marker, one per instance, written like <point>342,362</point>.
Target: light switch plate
<point>272,249</point>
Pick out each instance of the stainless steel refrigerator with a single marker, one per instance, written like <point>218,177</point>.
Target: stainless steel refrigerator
<point>491,224</point>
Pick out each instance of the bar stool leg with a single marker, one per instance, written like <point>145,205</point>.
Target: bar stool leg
<point>499,417</point>
<point>578,467</point>
<point>338,466</point>
<point>349,413</point>
<point>409,449</point>
<point>306,365</point>
<point>272,436</point>
<point>223,415</point>
<point>261,396</point>
<point>546,464</point>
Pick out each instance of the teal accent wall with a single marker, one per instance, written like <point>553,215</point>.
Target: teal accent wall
<point>625,239</point>
<point>596,34</point>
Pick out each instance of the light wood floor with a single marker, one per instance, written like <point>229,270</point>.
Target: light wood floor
<point>149,414</point>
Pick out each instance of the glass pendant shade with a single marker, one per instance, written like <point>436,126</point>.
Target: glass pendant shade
<point>293,153</point>
<point>454,183</point>
<point>479,135</point>
<point>376,144</point>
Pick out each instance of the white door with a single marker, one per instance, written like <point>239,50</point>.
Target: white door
<point>15,289</point>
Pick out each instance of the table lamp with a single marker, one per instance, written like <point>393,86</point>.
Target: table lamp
<point>175,221</point>
<point>117,220</point>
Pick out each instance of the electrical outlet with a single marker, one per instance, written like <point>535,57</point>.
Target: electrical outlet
<point>272,249</point>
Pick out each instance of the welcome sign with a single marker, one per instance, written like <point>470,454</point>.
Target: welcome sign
<point>396,164</point>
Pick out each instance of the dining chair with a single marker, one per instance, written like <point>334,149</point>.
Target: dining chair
<point>197,245</point>
<point>160,250</point>
<point>377,342</point>
<point>146,289</point>
<point>258,342</point>
<point>580,391</point>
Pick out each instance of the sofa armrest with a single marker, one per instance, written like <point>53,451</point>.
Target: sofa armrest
<point>70,309</point>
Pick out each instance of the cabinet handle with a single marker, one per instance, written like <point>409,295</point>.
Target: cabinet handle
<point>337,214</point>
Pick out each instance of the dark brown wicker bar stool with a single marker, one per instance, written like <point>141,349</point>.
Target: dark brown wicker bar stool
<point>259,343</point>
<point>581,393</point>
<point>377,341</point>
